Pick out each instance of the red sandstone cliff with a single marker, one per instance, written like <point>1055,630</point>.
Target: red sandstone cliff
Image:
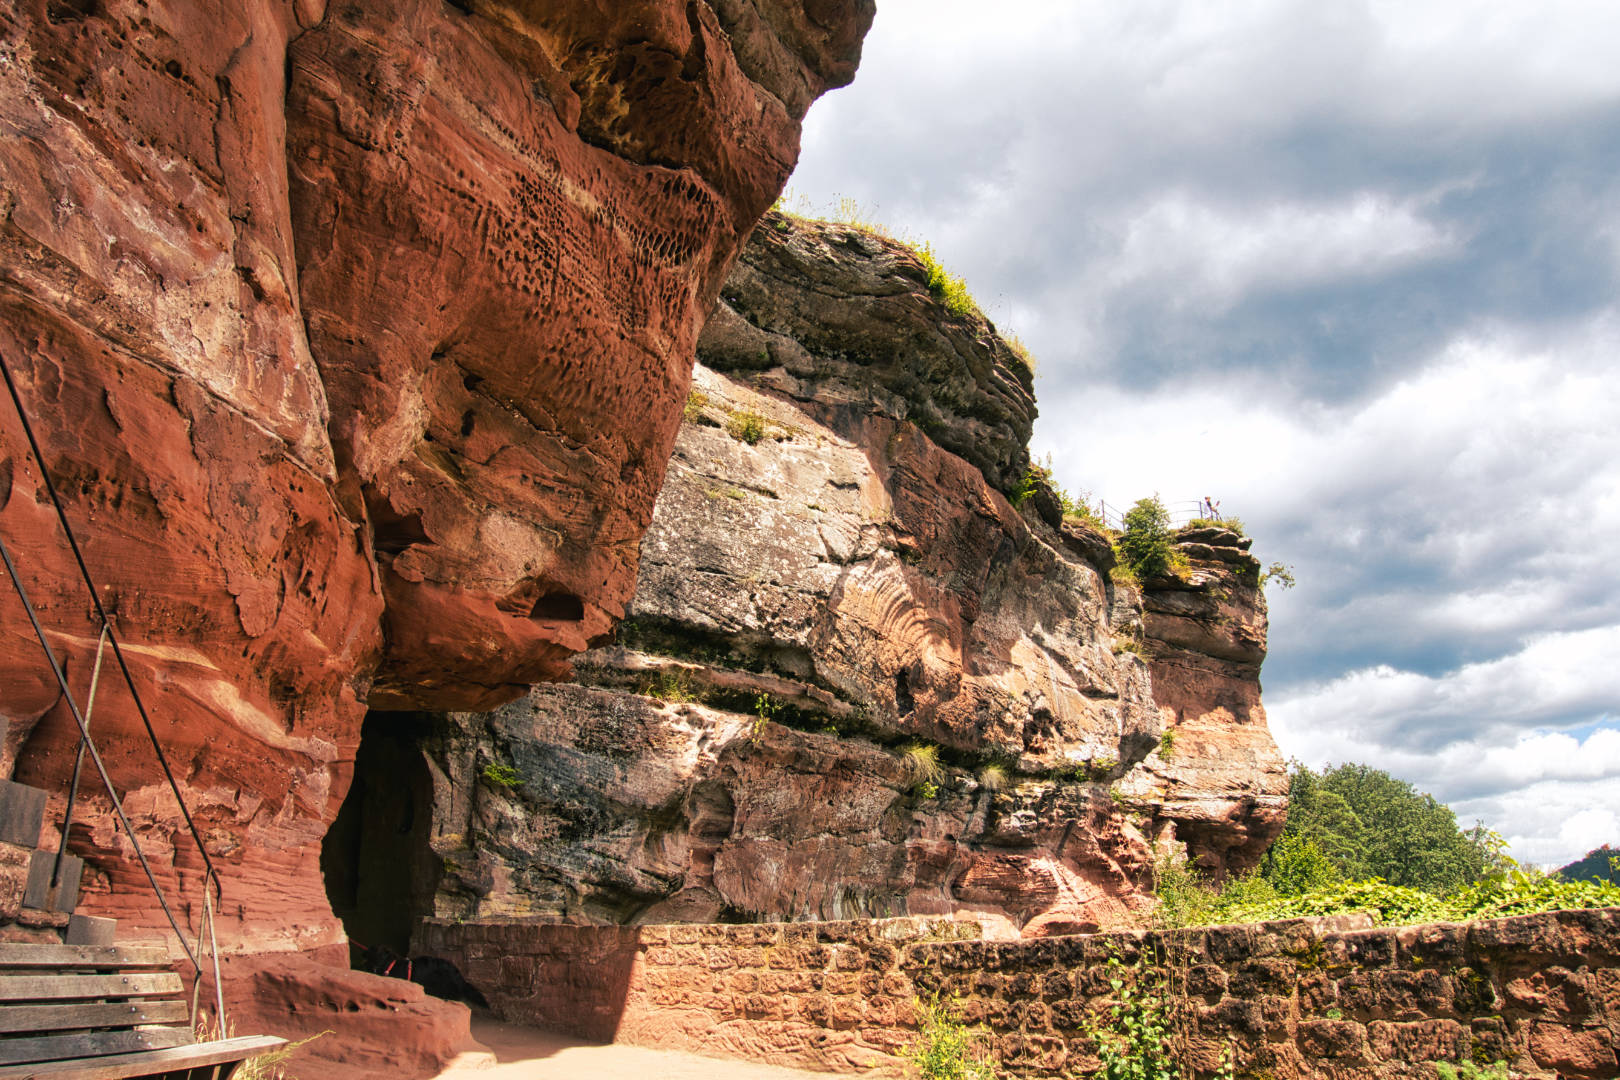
<point>357,336</point>
<point>835,575</point>
<point>1216,783</point>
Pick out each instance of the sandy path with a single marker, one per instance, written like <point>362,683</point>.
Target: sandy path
<point>522,1053</point>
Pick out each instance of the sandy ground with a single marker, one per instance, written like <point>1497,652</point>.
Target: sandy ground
<point>521,1053</point>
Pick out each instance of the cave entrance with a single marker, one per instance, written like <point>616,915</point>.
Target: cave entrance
<point>380,873</point>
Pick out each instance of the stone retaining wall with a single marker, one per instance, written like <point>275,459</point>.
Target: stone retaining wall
<point>1312,998</point>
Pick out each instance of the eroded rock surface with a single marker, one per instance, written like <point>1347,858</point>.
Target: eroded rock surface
<point>827,586</point>
<point>1217,783</point>
<point>824,588</point>
<point>356,336</point>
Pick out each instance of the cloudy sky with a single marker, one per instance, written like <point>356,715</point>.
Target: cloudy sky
<point>1350,267</point>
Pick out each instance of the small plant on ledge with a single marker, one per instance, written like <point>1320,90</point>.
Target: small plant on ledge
<point>923,767</point>
<point>498,774</point>
<point>765,709</point>
<point>1167,744</point>
<point>747,426</point>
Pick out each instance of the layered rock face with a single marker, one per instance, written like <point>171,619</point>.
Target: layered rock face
<point>1217,782</point>
<point>356,337</point>
<point>831,601</point>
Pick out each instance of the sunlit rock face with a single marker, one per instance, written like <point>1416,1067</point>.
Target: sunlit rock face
<point>1218,783</point>
<point>357,336</point>
<point>825,585</point>
<point>835,576</point>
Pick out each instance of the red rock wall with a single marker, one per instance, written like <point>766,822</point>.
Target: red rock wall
<point>1298,999</point>
<point>1217,785</point>
<point>357,337</point>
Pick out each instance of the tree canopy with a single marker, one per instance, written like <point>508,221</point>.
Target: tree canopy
<point>1599,864</point>
<point>1356,822</point>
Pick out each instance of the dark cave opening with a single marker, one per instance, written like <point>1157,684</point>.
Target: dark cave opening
<point>380,872</point>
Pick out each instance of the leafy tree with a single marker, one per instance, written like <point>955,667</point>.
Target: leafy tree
<point>1368,824</point>
<point>1296,865</point>
<point>1147,544</point>
<point>1599,864</point>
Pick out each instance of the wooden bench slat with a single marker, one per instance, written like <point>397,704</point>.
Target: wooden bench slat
<point>92,1015</point>
<point>19,955</point>
<point>119,1066</point>
<point>67,987</point>
<point>90,1044</point>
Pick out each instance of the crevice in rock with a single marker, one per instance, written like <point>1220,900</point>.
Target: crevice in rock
<point>380,873</point>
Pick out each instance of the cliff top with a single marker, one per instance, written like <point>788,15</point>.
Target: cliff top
<point>850,321</point>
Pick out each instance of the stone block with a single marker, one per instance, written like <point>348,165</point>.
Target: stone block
<point>1578,1053</point>
<point>1340,1040</point>
<point>1420,1041</point>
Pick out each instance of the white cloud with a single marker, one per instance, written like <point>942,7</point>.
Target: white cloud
<point>1212,256</point>
<point>1350,267</point>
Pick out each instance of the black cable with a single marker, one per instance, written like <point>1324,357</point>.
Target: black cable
<point>95,755</point>
<point>101,612</point>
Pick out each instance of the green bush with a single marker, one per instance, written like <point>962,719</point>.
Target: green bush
<point>747,426</point>
<point>1296,866</point>
<point>499,774</point>
<point>1147,546</point>
<point>1235,524</point>
<point>946,1049</point>
<point>1033,478</point>
<point>1134,1042</point>
<point>1021,351</point>
<point>1280,573</point>
<point>1396,905</point>
<point>947,288</point>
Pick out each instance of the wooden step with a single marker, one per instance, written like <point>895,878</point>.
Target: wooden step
<point>22,813</point>
<point>95,1015</point>
<point>150,1063</point>
<point>82,957</point>
<point>40,895</point>
<point>27,987</point>
<point>91,1044</point>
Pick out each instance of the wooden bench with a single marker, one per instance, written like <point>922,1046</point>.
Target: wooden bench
<point>81,1012</point>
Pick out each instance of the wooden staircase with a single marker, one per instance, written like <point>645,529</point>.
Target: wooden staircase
<point>74,1006</point>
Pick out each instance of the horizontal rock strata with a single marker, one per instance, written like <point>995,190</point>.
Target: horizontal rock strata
<point>356,335</point>
<point>855,679</point>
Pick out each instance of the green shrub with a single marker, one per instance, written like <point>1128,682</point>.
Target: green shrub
<point>748,426</point>
<point>1233,523</point>
<point>947,288</point>
<point>1033,478</point>
<point>922,766</point>
<point>695,401</point>
<point>765,710</point>
<point>945,1048</point>
<point>1295,866</point>
<point>1147,546</point>
<point>501,775</point>
<point>1021,351</point>
<point>993,777</point>
<point>1134,1042</point>
<point>1167,744</point>
<point>1080,509</point>
<point>670,684</point>
<point>1281,574</point>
